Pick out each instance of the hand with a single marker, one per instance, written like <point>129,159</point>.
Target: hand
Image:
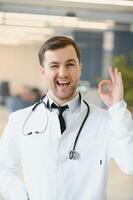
<point>111,91</point>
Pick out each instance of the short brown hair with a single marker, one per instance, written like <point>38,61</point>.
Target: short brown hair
<point>57,42</point>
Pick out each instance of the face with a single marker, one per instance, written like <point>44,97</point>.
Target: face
<point>62,72</point>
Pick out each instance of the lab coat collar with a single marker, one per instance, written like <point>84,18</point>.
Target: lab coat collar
<point>73,104</point>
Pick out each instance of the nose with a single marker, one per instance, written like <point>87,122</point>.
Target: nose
<point>62,71</point>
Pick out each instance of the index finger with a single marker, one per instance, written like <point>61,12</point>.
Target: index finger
<point>112,75</point>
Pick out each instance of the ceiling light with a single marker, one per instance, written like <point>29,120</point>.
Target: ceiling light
<point>26,21</point>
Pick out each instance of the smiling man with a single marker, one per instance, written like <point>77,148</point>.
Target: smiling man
<point>63,143</point>
<point>62,69</point>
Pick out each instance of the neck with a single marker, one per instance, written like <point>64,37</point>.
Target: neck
<point>60,101</point>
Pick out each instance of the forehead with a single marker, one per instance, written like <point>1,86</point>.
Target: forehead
<point>61,54</point>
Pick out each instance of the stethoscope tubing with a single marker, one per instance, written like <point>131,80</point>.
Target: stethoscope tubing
<point>73,155</point>
<point>28,117</point>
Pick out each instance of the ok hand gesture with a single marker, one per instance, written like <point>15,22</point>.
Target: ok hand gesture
<point>111,91</point>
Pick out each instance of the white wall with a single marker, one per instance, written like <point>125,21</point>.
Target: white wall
<point>19,65</point>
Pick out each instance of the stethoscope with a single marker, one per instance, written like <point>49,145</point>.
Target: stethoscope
<point>73,154</point>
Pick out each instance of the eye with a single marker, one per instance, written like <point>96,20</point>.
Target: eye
<point>53,66</point>
<point>70,64</point>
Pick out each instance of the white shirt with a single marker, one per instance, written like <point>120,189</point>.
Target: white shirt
<point>48,172</point>
<point>73,106</point>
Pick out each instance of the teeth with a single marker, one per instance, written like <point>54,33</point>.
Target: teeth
<point>63,82</point>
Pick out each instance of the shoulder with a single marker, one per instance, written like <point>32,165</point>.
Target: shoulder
<point>21,113</point>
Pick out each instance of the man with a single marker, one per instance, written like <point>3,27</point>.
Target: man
<point>63,144</point>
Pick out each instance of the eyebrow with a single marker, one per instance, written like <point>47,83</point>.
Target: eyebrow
<point>55,62</point>
<point>71,60</point>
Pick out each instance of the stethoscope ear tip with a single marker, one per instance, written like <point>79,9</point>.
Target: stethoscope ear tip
<point>30,133</point>
<point>73,155</point>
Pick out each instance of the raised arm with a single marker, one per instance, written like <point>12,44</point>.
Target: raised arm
<point>120,146</point>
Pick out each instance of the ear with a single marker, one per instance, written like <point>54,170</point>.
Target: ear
<point>42,70</point>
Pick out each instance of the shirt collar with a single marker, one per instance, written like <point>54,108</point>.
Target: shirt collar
<point>73,104</point>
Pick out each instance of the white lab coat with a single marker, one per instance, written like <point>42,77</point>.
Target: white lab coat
<point>48,172</point>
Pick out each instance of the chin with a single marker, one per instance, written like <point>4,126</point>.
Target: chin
<point>65,96</point>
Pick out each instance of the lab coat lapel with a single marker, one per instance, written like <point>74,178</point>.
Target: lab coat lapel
<point>76,120</point>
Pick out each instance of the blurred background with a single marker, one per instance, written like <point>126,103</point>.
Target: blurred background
<point>104,31</point>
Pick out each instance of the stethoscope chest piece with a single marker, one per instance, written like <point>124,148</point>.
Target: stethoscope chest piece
<point>73,155</point>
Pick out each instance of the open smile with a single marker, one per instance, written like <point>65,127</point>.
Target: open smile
<point>63,83</point>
